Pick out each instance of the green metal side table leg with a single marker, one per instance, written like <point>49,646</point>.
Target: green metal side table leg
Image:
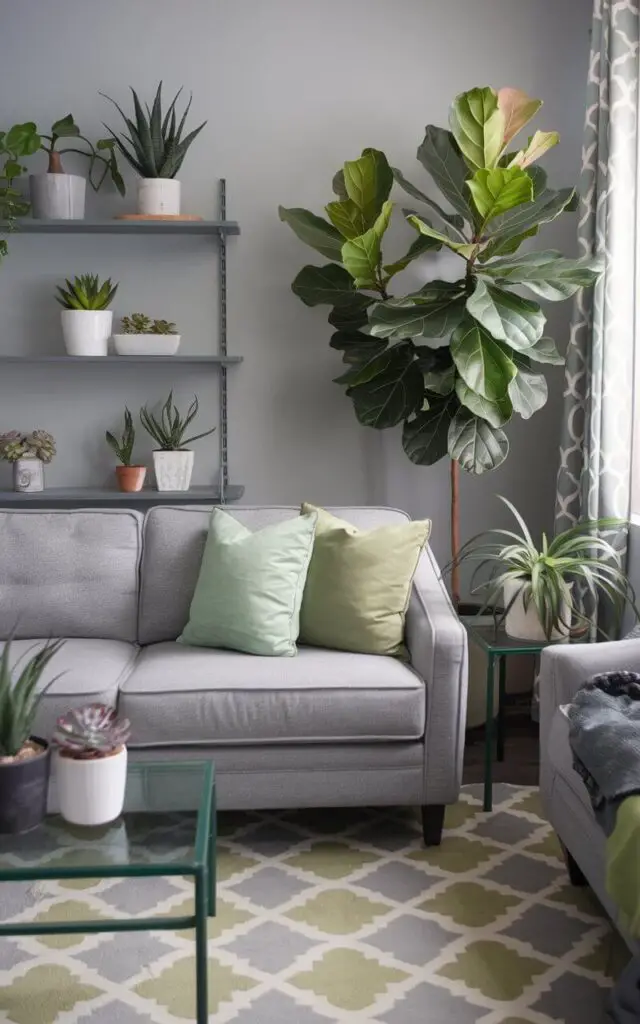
<point>211,894</point>
<point>502,686</point>
<point>488,737</point>
<point>201,901</point>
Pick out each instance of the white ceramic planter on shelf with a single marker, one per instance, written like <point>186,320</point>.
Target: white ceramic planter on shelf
<point>86,332</point>
<point>146,344</point>
<point>173,470</point>
<point>524,624</point>
<point>57,196</point>
<point>91,791</point>
<point>158,197</point>
<point>28,475</point>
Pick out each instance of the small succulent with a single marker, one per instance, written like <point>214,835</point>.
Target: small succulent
<point>86,292</point>
<point>19,695</point>
<point>39,444</point>
<point>91,731</point>
<point>139,323</point>
<point>123,448</point>
<point>154,146</point>
<point>168,429</point>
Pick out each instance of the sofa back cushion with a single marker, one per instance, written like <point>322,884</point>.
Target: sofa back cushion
<point>70,573</point>
<point>174,540</point>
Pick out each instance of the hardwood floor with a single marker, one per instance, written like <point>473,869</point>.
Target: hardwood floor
<point>521,762</point>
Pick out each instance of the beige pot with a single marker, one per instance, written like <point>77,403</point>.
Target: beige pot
<point>524,623</point>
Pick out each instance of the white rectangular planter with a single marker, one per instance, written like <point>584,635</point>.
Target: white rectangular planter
<point>173,470</point>
<point>146,344</point>
<point>86,332</point>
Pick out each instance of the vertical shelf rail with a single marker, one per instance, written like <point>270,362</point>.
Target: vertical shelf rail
<point>222,346</point>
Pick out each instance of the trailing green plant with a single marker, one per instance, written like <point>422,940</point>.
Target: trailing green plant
<point>90,732</point>
<point>86,292</point>
<point>139,323</point>
<point>168,429</point>
<point>19,696</point>
<point>123,447</point>
<point>39,444</point>
<point>154,146</point>
<point>16,144</point>
<point>552,576</point>
<point>102,157</point>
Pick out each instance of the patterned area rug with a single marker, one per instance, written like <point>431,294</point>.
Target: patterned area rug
<point>334,916</point>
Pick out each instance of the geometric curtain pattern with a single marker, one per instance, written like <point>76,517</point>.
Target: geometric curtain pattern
<point>335,916</point>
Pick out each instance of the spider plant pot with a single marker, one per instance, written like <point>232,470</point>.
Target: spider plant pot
<point>28,474</point>
<point>57,196</point>
<point>91,789</point>
<point>173,469</point>
<point>158,197</point>
<point>524,623</point>
<point>131,478</point>
<point>146,344</point>
<point>86,332</point>
<point>24,783</point>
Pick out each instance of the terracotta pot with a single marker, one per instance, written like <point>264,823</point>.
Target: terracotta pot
<point>131,478</point>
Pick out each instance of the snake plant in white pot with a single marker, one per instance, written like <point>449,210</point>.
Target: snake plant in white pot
<point>541,586</point>
<point>172,460</point>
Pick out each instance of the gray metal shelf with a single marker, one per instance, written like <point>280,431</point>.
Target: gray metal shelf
<point>106,360</point>
<point>202,494</point>
<point>129,227</point>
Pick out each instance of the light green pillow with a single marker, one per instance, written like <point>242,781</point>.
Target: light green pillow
<point>250,586</point>
<point>359,584</point>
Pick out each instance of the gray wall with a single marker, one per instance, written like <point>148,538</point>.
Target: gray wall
<point>290,90</point>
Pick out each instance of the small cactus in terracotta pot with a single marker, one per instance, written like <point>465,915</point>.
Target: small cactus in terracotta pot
<point>130,478</point>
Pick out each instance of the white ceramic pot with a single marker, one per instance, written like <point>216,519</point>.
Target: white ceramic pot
<point>524,624</point>
<point>57,196</point>
<point>173,470</point>
<point>86,332</point>
<point>28,474</point>
<point>158,197</point>
<point>146,344</point>
<point>91,792</point>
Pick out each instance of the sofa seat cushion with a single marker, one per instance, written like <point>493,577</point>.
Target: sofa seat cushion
<point>561,758</point>
<point>89,670</point>
<point>189,695</point>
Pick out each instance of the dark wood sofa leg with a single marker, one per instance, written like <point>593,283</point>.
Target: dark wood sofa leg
<point>432,822</point>
<point>576,876</point>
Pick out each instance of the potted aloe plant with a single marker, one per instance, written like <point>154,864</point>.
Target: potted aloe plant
<point>142,336</point>
<point>538,586</point>
<point>155,147</point>
<point>24,756</point>
<point>91,764</point>
<point>28,454</point>
<point>172,460</point>
<point>130,478</point>
<point>86,321</point>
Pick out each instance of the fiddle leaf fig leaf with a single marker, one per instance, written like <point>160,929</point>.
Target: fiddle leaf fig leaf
<point>496,413</point>
<point>331,284</point>
<point>431,313</point>
<point>313,231</point>
<point>528,390</point>
<point>498,190</point>
<point>338,186</point>
<point>505,316</point>
<point>548,273</point>
<point>350,317</point>
<point>438,369</point>
<point>475,444</point>
<point>465,249</point>
<point>518,109</point>
<point>347,218</point>
<point>440,157</point>
<point>392,391</point>
<point>362,256</point>
<point>425,436</point>
<point>357,348</point>
<point>418,247</point>
<point>478,126</point>
<point>539,144</point>
<point>546,206</point>
<point>545,351</point>
<point>483,364</point>
<point>368,181</point>
<point>453,219</point>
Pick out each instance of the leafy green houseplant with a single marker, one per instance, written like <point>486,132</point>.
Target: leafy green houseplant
<point>24,757</point>
<point>130,478</point>
<point>452,361</point>
<point>86,320</point>
<point>15,145</point>
<point>27,453</point>
<point>541,584</point>
<point>91,764</point>
<point>155,147</point>
<point>172,460</point>
<point>142,336</point>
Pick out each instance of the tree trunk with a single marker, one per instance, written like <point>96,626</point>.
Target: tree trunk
<point>55,163</point>
<point>455,533</point>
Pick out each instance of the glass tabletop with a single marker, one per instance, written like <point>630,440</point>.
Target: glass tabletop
<point>163,830</point>
<point>497,641</point>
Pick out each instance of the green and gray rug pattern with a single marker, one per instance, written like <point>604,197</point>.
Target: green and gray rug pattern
<point>336,916</point>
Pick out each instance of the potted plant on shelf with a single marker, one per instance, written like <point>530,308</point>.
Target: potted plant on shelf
<point>86,321</point>
<point>24,757</point>
<point>57,195</point>
<point>172,460</point>
<point>142,336</point>
<point>130,478</point>
<point>27,453</point>
<point>538,585</point>
<point>91,764</point>
<point>15,144</point>
<point>155,148</point>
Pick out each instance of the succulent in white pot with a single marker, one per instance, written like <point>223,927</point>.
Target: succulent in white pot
<point>28,454</point>
<point>142,336</point>
<point>155,148</point>
<point>172,460</point>
<point>91,764</point>
<point>86,321</point>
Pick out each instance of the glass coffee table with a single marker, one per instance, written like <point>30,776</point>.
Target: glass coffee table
<point>156,794</point>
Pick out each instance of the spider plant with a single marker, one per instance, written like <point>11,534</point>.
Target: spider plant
<point>168,429</point>
<point>552,576</point>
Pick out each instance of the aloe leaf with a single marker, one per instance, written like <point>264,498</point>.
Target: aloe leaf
<point>155,128</point>
<point>144,134</point>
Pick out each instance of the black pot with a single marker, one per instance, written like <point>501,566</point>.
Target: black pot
<point>23,791</point>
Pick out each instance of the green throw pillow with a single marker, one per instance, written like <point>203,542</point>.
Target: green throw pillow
<point>250,586</point>
<point>359,584</point>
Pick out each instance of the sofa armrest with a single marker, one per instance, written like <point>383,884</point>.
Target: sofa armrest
<point>437,643</point>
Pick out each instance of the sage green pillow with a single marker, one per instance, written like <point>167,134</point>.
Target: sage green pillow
<point>250,586</point>
<point>359,584</point>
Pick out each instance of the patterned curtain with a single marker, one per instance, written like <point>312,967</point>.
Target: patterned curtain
<point>594,478</point>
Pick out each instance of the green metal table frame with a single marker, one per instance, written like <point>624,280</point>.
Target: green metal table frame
<point>202,869</point>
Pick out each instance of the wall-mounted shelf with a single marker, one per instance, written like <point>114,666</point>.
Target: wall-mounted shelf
<point>129,227</point>
<point>85,496</point>
<point>107,360</point>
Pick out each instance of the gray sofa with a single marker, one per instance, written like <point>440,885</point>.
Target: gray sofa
<point>325,728</point>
